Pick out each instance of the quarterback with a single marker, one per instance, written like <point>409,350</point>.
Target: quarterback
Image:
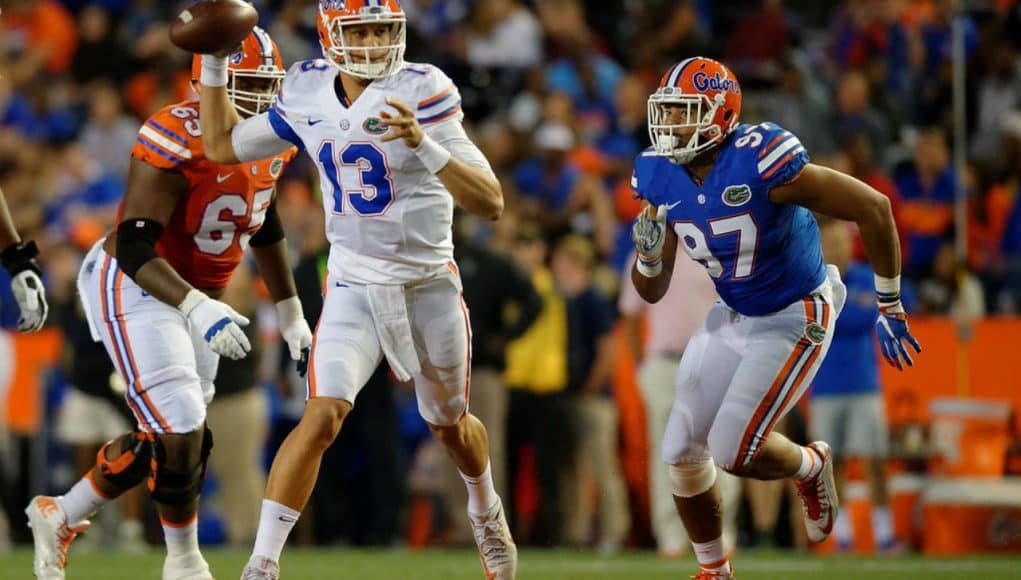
<point>393,159</point>
<point>739,199</point>
<point>150,293</point>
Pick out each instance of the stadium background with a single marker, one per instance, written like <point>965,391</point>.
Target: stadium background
<point>554,91</point>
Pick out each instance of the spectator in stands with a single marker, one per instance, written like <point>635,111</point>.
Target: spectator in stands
<point>40,35</point>
<point>109,134</point>
<point>561,197</point>
<point>927,187</point>
<point>756,44</point>
<point>951,289</point>
<point>539,409</point>
<point>846,407</point>
<point>590,364</point>
<point>799,106</point>
<point>503,34</point>
<point>853,113</point>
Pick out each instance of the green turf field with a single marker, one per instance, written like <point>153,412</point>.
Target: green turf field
<point>347,564</point>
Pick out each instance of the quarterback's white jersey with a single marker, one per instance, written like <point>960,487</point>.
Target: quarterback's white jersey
<point>388,219</point>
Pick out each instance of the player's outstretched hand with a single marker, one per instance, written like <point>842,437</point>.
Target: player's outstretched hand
<point>649,233</point>
<point>31,297</point>
<point>402,126</point>
<point>219,324</point>
<point>892,330</point>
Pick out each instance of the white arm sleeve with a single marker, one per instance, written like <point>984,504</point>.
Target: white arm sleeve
<point>451,136</point>
<point>254,138</point>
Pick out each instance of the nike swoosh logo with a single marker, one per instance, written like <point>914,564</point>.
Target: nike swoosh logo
<point>673,205</point>
<point>287,519</point>
<point>312,123</point>
<point>222,178</point>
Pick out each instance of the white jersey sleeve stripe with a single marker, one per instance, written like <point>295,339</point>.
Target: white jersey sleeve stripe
<point>156,138</point>
<point>777,153</point>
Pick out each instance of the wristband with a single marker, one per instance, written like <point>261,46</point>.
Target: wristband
<point>432,154</point>
<point>887,289</point>
<point>192,299</point>
<point>214,71</point>
<point>649,269</point>
<point>20,256</point>
<point>289,310</point>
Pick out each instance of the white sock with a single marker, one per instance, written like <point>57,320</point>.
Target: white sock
<point>275,523</point>
<point>711,555</point>
<point>842,528</point>
<point>882,525</point>
<point>181,538</point>
<point>811,465</point>
<point>481,493</point>
<point>81,501</point>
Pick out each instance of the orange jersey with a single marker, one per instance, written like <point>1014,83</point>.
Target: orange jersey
<point>226,204</point>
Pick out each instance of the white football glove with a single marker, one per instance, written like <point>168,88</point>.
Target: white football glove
<point>295,331</point>
<point>31,296</point>
<point>649,235</point>
<point>219,324</point>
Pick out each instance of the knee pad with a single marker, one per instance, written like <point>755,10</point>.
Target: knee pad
<point>691,479</point>
<point>132,465</point>
<point>174,486</point>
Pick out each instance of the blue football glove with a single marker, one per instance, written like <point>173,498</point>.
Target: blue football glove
<point>892,330</point>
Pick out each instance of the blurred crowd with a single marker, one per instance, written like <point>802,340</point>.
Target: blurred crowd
<point>554,92</point>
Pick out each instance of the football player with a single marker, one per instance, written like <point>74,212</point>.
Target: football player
<point>739,199</point>
<point>393,159</point>
<point>150,291</point>
<point>18,258</point>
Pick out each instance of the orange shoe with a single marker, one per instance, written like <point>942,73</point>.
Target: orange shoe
<point>715,574</point>
<point>819,502</point>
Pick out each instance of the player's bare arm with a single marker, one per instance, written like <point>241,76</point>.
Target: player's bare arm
<point>652,282</point>
<point>473,188</point>
<point>8,235</point>
<point>149,202</point>
<point>839,195</point>
<point>270,251</point>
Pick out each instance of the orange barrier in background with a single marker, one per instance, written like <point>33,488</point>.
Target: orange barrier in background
<point>985,366</point>
<point>33,353</point>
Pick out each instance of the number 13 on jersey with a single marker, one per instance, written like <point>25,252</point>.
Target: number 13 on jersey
<point>365,163</point>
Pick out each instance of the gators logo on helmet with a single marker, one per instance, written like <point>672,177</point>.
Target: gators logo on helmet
<point>254,73</point>
<point>696,106</point>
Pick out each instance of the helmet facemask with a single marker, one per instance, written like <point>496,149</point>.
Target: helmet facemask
<point>253,91</point>
<point>670,139</point>
<point>359,61</point>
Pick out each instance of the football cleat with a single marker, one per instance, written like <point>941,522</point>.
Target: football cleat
<point>819,502</point>
<point>714,574</point>
<point>52,536</point>
<point>261,568</point>
<point>497,551</point>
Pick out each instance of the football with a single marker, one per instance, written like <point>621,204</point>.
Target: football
<point>213,25</point>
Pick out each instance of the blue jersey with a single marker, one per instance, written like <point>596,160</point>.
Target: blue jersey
<point>762,256</point>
